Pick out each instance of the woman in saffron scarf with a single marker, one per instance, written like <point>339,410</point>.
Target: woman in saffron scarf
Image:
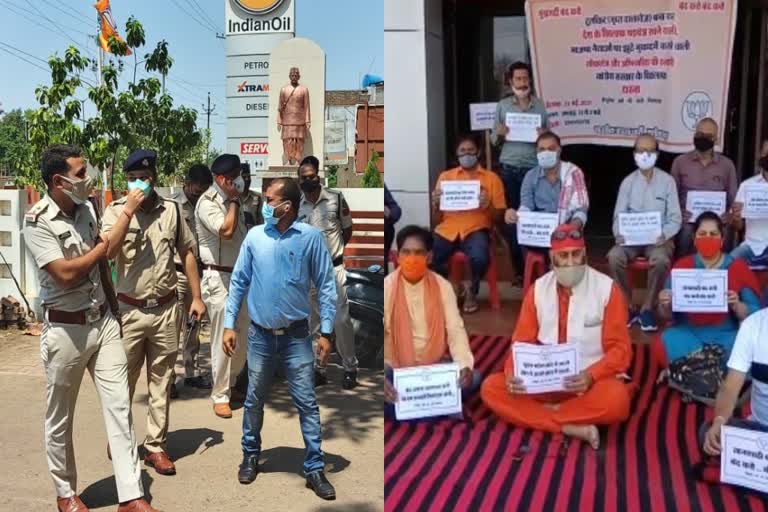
<point>422,323</point>
<point>691,330</point>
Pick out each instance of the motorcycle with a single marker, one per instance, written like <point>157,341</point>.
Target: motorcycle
<point>365,291</point>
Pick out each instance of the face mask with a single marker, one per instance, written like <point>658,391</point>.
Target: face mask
<point>645,160</point>
<point>570,276</point>
<point>413,267</point>
<point>763,163</point>
<point>468,161</point>
<point>81,189</point>
<point>708,246</point>
<point>309,186</point>
<point>521,93</point>
<point>239,184</point>
<point>547,159</point>
<point>268,212</point>
<point>144,186</point>
<point>703,143</point>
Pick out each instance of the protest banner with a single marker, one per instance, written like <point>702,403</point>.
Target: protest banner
<point>523,127</point>
<point>699,291</point>
<point>625,67</point>
<point>744,458</point>
<point>534,229</point>
<point>700,201</point>
<point>755,201</point>
<point>482,116</point>
<point>543,367</point>
<point>424,391</point>
<point>640,228</point>
<point>459,195</point>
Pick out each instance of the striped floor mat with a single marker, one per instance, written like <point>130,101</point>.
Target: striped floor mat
<point>482,464</point>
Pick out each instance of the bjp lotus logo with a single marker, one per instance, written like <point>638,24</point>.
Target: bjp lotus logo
<point>258,6</point>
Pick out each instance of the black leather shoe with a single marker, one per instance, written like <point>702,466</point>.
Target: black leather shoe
<point>199,382</point>
<point>174,392</point>
<point>249,468</point>
<point>320,379</point>
<point>322,487</point>
<point>350,380</point>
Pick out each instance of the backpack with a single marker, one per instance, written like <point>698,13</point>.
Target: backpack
<point>699,374</point>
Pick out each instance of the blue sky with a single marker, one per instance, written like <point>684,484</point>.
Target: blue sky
<point>350,31</point>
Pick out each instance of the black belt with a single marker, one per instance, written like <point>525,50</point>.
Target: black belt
<point>292,327</point>
<point>219,268</point>
<point>338,261</point>
<point>83,317</point>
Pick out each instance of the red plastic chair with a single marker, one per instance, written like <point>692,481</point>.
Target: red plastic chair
<point>535,267</point>
<point>458,262</point>
<point>639,264</point>
<point>393,257</point>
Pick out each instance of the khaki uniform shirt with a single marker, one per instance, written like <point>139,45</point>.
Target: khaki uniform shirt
<point>188,215</point>
<point>49,235</point>
<point>210,212</point>
<point>331,215</point>
<point>145,268</point>
<point>252,209</point>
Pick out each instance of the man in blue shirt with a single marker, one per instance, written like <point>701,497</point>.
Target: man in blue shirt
<point>279,261</point>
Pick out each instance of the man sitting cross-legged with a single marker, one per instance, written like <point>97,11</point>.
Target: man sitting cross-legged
<point>577,304</point>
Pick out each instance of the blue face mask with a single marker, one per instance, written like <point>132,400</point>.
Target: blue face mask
<point>142,185</point>
<point>268,212</point>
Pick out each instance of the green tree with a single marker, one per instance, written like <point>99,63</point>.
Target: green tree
<point>134,37</point>
<point>331,172</point>
<point>13,139</point>
<point>371,176</point>
<point>159,60</point>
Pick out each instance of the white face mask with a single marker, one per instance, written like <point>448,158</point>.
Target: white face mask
<point>239,184</point>
<point>547,159</point>
<point>521,93</point>
<point>645,160</point>
<point>569,277</point>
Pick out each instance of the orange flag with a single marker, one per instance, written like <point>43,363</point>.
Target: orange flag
<point>107,23</point>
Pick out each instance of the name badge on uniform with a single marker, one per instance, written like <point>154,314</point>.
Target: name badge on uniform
<point>93,314</point>
<point>65,235</point>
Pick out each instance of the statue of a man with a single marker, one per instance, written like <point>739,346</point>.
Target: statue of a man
<point>293,118</point>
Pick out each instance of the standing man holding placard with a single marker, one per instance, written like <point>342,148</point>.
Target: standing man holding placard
<point>576,303</point>
<point>467,230</point>
<point>647,189</point>
<point>702,169</point>
<point>553,186</point>
<point>754,248</point>
<point>517,157</point>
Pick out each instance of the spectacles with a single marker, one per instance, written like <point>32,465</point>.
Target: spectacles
<point>562,235</point>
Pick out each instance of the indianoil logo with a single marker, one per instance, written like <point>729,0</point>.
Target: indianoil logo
<point>258,6</point>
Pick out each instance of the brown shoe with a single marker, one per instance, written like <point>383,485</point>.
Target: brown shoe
<point>222,410</point>
<point>71,504</point>
<point>139,505</point>
<point>160,462</point>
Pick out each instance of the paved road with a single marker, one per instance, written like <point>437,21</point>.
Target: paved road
<point>206,449</point>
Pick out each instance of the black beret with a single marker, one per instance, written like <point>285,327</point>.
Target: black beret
<point>226,164</point>
<point>140,160</point>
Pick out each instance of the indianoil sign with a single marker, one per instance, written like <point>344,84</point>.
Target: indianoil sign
<point>253,29</point>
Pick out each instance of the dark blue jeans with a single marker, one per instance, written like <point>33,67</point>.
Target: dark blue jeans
<point>512,177</point>
<point>475,246</point>
<point>294,350</point>
<point>474,385</point>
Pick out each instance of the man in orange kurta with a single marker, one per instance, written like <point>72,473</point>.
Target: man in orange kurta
<point>293,119</point>
<point>577,304</point>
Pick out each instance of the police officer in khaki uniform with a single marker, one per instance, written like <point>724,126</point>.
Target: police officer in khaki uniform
<point>143,243</point>
<point>221,230</point>
<point>327,210</point>
<point>79,330</point>
<point>196,182</point>
<point>250,200</point>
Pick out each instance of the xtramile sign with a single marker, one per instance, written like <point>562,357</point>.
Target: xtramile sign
<point>253,28</point>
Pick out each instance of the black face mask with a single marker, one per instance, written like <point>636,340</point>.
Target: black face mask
<point>763,163</point>
<point>310,185</point>
<point>703,143</point>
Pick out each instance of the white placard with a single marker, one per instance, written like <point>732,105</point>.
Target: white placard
<point>482,116</point>
<point>755,202</point>
<point>700,201</point>
<point>543,367</point>
<point>699,291</point>
<point>640,228</point>
<point>424,391</point>
<point>744,458</point>
<point>459,195</point>
<point>534,229</point>
<point>523,127</point>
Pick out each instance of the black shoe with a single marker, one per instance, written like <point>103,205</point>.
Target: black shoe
<point>249,468</point>
<point>199,382</point>
<point>320,379</point>
<point>174,391</point>
<point>322,487</point>
<point>350,380</point>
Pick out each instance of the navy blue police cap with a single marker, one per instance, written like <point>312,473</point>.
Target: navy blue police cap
<point>226,164</point>
<point>140,160</point>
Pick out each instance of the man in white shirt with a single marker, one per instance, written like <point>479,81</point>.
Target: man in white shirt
<point>754,249</point>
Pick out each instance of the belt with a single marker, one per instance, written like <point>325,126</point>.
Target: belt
<point>83,317</point>
<point>338,261</point>
<point>180,268</point>
<point>283,330</point>
<point>219,268</point>
<point>146,303</point>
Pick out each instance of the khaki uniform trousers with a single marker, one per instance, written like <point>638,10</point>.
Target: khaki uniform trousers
<point>224,370</point>
<point>150,335</point>
<point>189,348</point>
<point>67,351</point>
<point>345,334</point>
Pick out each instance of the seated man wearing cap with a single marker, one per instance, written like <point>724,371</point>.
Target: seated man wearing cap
<point>590,310</point>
